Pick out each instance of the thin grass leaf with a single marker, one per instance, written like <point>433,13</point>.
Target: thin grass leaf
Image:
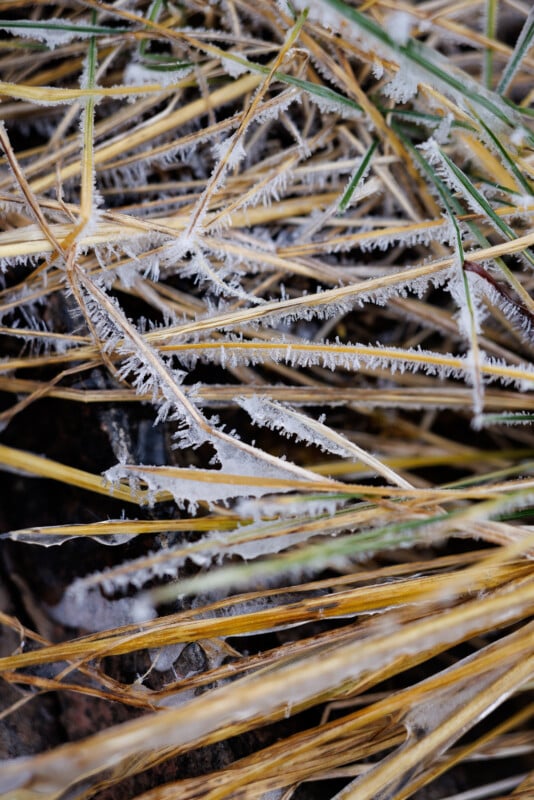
<point>522,46</point>
<point>507,159</point>
<point>470,192</point>
<point>58,31</point>
<point>359,174</point>
<point>490,13</point>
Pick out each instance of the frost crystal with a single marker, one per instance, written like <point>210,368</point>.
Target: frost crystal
<point>441,133</point>
<point>399,25</point>
<point>242,472</point>
<point>139,75</point>
<point>234,68</point>
<point>404,85</point>
<point>293,423</point>
<point>378,69</point>
<point>85,607</point>
<point>232,147</point>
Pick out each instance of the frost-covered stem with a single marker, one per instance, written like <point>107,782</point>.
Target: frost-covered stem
<point>460,182</point>
<point>349,356</point>
<point>471,328</point>
<point>165,378</point>
<point>220,169</point>
<point>315,300</point>
<point>27,190</point>
<point>521,48</point>
<point>491,15</point>
<point>142,349</point>
<point>87,187</point>
<point>88,123</point>
<point>365,457</point>
<point>478,384</point>
<point>281,417</point>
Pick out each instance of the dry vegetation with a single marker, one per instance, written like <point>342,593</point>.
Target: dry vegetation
<point>266,397</point>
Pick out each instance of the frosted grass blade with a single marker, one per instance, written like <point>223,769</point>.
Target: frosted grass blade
<point>521,48</point>
<point>356,178</point>
<point>433,66</point>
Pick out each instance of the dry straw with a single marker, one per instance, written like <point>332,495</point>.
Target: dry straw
<point>296,237</point>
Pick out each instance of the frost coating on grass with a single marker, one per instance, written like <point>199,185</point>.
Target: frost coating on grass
<point>513,312</point>
<point>294,423</point>
<point>442,132</point>
<point>333,356</point>
<point>202,270</point>
<point>376,240</point>
<point>248,542</point>
<point>53,33</point>
<point>286,507</point>
<point>378,70</point>
<point>207,269</point>
<point>259,543</point>
<point>423,64</point>
<point>258,695</point>
<point>231,148</point>
<point>435,157</point>
<point>457,290</point>
<point>188,492</point>
<point>404,85</point>
<point>233,67</point>
<point>139,75</point>
<point>351,357</point>
<point>278,417</point>
<point>519,136</point>
<point>84,607</point>
<point>45,540</point>
<point>331,105</point>
<point>508,418</point>
<point>399,25</point>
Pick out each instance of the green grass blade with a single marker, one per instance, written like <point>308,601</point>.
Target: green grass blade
<point>477,199</point>
<point>506,158</point>
<point>357,177</point>
<point>320,92</point>
<point>520,50</point>
<point>455,209</point>
<point>448,202</point>
<point>41,29</point>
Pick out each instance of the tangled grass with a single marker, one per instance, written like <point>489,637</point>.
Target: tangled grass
<point>267,324</point>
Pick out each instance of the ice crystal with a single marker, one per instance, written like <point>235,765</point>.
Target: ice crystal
<point>233,67</point>
<point>403,86</point>
<point>139,75</point>
<point>195,487</point>
<point>399,25</point>
<point>231,148</point>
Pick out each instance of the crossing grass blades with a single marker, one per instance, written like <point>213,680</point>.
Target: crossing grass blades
<point>266,399</point>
